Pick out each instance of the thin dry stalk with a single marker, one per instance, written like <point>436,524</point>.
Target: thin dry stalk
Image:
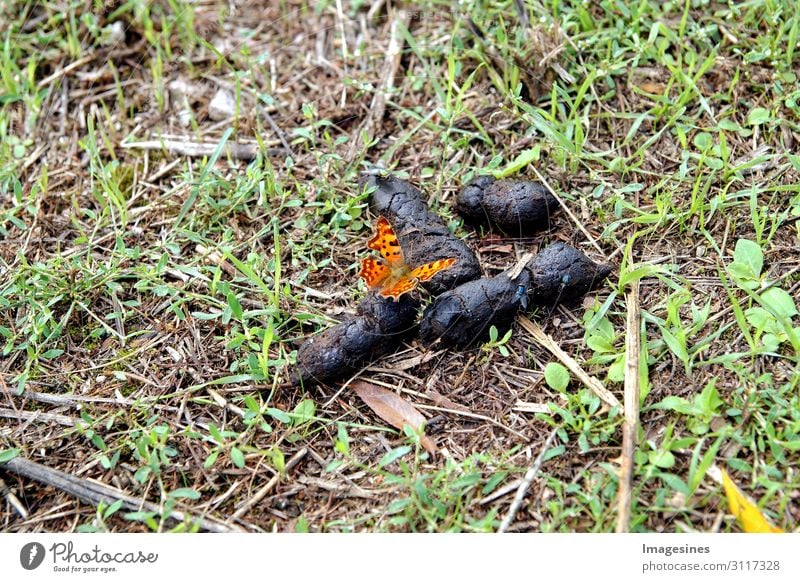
<point>264,491</point>
<point>573,366</point>
<point>566,208</point>
<point>530,475</point>
<point>13,500</point>
<point>37,416</point>
<point>238,151</point>
<point>633,342</point>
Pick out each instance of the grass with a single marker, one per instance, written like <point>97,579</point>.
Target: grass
<point>163,298</point>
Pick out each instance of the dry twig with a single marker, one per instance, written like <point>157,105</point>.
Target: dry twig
<point>391,65</point>
<point>238,151</point>
<point>38,416</point>
<point>13,500</point>
<point>264,491</point>
<point>93,493</point>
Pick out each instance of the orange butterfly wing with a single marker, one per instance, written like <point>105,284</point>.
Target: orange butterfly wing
<point>402,285</point>
<point>416,276</point>
<point>391,275</point>
<point>374,272</point>
<point>425,272</point>
<point>386,243</point>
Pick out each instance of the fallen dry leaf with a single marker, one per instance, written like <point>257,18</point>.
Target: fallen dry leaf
<point>745,511</point>
<point>393,409</point>
<point>652,88</point>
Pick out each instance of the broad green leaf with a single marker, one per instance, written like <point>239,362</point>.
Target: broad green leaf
<point>211,459</point>
<point>674,482</point>
<point>600,344</point>
<point>184,493</point>
<point>760,319</point>
<point>703,141</point>
<point>393,455</point>
<point>279,415</point>
<point>678,346</point>
<point>678,404</point>
<point>342,439</point>
<point>616,371</point>
<point>749,254</point>
<point>553,452</point>
<point>8,454</point>
<point>237,457</point>
<point>708,401</point>
<point>523,159</point>
<point>662,459</point>
<point>236,307</point>
<point>779,302</point>
<point>556,376</point>
<point>113,508</point>
<point>304,412</point>
<point>759,116</point>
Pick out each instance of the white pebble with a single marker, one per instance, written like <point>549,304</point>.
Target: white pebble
<point>222,106</point>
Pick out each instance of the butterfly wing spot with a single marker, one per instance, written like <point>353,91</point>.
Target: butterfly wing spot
<point>374,272</point>
<point>427,271</point>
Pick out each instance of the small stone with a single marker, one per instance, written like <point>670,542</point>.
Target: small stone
<point>185,117</point>
<point>113,34</point>
<point>179,90</point>
<point>222,106</point>
<point>700,251</point>
<point>180,98</point>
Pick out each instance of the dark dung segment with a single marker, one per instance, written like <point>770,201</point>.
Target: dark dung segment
<point>465,314</point>
<point>562,273</point>
<point>397,200</point>
<point>423,235</point>
<point>378,328</point>
<point>469,202</point>
<point>516,207</point>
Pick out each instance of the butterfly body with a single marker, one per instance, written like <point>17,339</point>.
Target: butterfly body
<point>390,275</point>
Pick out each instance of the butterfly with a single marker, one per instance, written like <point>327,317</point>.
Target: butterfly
<point>391,276</point>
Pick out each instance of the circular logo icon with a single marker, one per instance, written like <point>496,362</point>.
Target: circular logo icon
<point>31,555</point>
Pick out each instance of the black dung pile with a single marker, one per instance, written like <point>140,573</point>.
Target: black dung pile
<point>517,208</point>
<point>466,305</point>
<point>465,314</point>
